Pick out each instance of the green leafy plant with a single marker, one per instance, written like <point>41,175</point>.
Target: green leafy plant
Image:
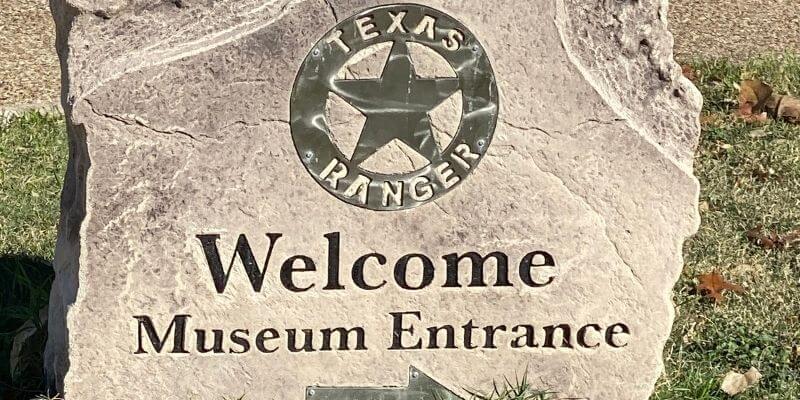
<point>518,389</point>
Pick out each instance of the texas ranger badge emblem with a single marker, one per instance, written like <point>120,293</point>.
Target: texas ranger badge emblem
<point>397,106</point>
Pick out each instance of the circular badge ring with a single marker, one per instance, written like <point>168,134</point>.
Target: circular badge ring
<point>400,24</point>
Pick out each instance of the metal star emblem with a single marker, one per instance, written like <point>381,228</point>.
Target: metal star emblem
<point>396,106</point>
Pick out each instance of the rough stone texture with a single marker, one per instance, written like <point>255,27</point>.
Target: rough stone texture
<point>178,117</point>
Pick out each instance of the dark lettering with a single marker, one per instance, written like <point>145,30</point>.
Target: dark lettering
<point>308,338</point>
<point>288,268</point>
<point>201,341</point>
<point>398,330</point>
<point>401,271</point>
<point>550,332</point>
<point>612,331</point>
<point>239,337</point>
<point>582,336</point>
<point>490,330</point>
<point>344,335</point>
<point>527,339</point>
<point>358,271</point>
<point>478,267</point>
<point>433,336</point>
<point>468,328</point>
<point>254,273</point>
<point>526,267</point>
<point>177,328</point>
<point>333,262</point>
<point>262,338</point>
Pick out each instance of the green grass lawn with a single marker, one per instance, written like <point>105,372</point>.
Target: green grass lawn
<point>33,156</point>
<point>750,176</point>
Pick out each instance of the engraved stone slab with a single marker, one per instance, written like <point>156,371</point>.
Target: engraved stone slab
<point>299,198</point>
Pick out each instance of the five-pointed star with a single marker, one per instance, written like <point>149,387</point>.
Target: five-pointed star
<point>396,106</point>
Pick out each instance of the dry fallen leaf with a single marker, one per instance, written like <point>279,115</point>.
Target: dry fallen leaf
<point>753,95</point>
<point>735,383</point>
<point>689,72</point>
<point>759,238</point>
<point>786,108</point>
<point>772,104</point>
<point>763,173</point>
<point>711,285</point>
<point>771,239</point>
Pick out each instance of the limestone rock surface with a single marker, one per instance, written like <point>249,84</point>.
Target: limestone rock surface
<point>179,123</point>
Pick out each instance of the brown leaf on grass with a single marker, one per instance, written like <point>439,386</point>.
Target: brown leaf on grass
<point>771,239</point>
<point>785,108</point>
<point>711,285</point>
<point>753,96</point>
<point>689,72</point>
<point>763,173</point>
<point>762,239</point>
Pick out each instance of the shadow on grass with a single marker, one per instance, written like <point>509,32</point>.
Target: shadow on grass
<point>24,294</point>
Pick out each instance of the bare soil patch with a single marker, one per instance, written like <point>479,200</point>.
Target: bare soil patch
<point>734,28</point>
<point>29,71</point>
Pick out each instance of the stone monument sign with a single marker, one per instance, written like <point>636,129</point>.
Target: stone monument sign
<point>359,199</point>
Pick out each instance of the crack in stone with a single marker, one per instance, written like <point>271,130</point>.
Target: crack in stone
<point>437,205</point>
<point>444,132</point>
<point>329,3</point>
<point>250,81</point>
<point>598,121</point>
<point>525,128</point>
<point>138,121</point>
<point>260,122</point>
<point>501,150</point>
<point>345,122</point>
<point>408,156</point>
<point>583,200</point>
<point>444,211</point>
<point>579,197</point>
<point>246,213</point>
<point>576,126</point>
